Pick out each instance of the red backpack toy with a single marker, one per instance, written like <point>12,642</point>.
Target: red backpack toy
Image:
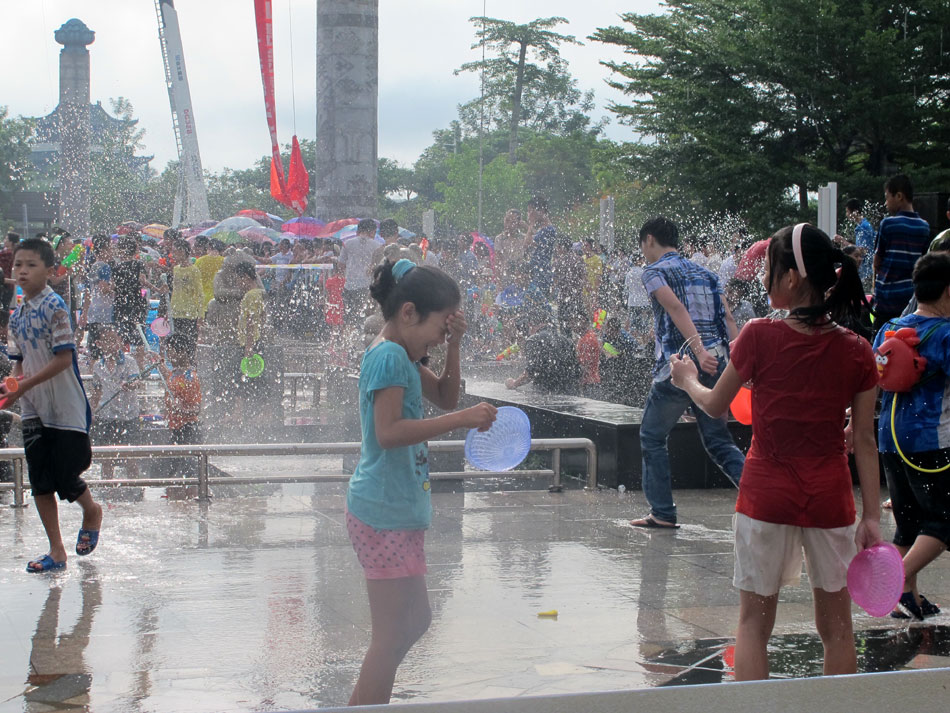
<point>899,364</point>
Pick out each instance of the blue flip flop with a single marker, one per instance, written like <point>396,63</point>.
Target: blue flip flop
<point>46,563</point>
<point>86,546</point>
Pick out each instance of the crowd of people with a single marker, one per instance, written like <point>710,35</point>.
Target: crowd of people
<point>803,346</point>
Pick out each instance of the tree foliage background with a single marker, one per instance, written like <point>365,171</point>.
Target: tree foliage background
<point>738,103</point>
<point>741,109</point>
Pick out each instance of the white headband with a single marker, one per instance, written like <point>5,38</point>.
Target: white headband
<point>797,248</point>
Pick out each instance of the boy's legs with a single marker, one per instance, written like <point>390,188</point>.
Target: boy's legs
<point>907,514</point>
<point>716,439</point>
<point>931,495</point>
<point>664,405</point>
<point>48,511</point>
<point>55,460</point>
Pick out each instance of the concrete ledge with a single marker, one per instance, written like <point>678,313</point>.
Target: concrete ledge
<point>917,691</point>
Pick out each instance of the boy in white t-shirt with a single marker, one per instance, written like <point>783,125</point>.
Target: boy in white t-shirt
<point>114,398</point>
<point>55,412</point>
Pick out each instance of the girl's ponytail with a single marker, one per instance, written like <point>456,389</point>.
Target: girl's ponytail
<point>383,282</point>
<point>846,302</point>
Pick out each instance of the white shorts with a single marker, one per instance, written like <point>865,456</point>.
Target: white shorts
<point>769,556</point>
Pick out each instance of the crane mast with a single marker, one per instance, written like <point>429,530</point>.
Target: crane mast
<point>191,198</point>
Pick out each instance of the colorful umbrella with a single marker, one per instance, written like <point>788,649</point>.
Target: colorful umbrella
<point>266,219</point>
<point>260,235</point>
<point>305,226</point>
<point>229,237</point>
<point>156,230</point>
<point>128,226</point>
<point>232,224</point>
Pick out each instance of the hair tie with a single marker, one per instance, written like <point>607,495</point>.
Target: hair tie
<point>401,267</point>
<point>797,248</point>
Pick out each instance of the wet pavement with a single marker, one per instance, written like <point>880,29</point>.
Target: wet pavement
<point>256,602</point>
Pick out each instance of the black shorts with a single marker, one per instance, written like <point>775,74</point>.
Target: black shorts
<point>55,458</point>
<point>93,335</point>
<point>127,325</point>
<point>921,501</point>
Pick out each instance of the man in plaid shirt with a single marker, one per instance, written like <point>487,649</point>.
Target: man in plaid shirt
<point>689,312</point>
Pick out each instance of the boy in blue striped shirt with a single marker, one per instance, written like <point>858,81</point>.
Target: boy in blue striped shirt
<point>902,238</point>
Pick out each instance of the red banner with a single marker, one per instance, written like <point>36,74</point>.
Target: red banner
<point>293,192</point>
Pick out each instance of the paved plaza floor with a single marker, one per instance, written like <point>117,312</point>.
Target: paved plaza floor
<point>256,602</point>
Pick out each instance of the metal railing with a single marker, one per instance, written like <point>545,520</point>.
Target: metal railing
<point>204,452</point>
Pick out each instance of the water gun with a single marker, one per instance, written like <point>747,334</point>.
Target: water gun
<point>131,380</point>
<point>599,318</point>
<point>611,350</point>
<point>73,256</point>
<point>12,385</point>
<point>508,352</point>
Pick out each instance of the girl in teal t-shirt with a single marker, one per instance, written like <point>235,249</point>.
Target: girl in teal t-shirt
<point>387,503</point>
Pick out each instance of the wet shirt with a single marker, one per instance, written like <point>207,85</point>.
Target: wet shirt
<point>901,239</point>
<point>922,416</point>
<point>188,297</point>
<point>588,355</point>
<point>542,250</point>
<point>252,313</point>
<point>357,255</point>
<point>208,266</point>
<point>101,299</point>
<point>390,488</point>
<point>127,288</point>
<point>183,398</point>
<point>796,471</point>
<point>108,377</point>
<point>864,238</point>
<point>6,262</point>
<point>334,307</point>
<point>39,329</point>
<point>698,290</point>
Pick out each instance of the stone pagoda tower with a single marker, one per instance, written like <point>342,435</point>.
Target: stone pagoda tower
<point>73,113</point>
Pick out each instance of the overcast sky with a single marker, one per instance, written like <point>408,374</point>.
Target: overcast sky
<point>421,42</point>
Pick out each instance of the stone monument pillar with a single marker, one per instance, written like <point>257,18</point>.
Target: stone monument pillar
<point>347,93</point>
<point>73,112</point>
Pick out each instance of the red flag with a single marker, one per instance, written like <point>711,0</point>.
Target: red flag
<point>292,193</point>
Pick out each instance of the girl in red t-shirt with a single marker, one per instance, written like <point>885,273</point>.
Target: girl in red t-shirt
<point>795,494</point>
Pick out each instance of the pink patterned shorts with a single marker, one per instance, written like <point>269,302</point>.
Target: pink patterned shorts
<point>387,554</point>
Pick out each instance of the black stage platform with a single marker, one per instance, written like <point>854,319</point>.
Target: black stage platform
<point>615,429</point>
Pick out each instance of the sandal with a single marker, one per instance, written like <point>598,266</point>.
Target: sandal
<point>45,564</point>
<point>652,523</point>
<point>86,542</point>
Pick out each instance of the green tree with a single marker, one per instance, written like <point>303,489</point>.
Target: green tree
<point>737,103</point>
<point>525,81</point>
<point>503,187</point>
<point>15,166</point>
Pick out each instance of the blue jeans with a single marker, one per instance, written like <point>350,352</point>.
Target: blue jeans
<point>664,405</point>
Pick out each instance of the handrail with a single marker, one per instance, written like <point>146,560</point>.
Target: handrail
<point>205,451</point>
